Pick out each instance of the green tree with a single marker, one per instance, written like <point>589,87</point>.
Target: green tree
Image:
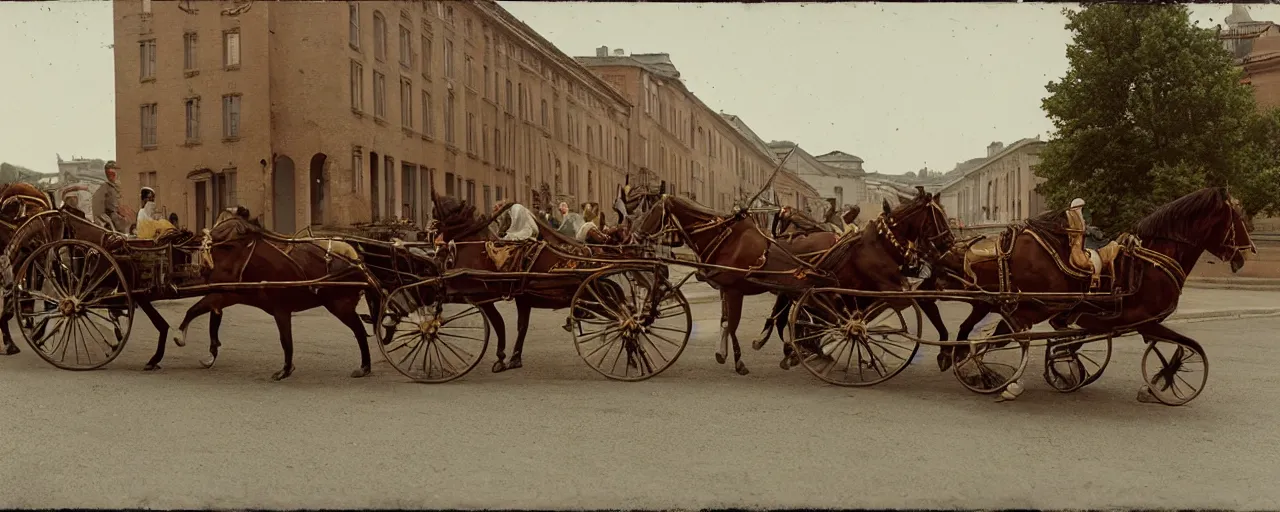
<point>1151,108</point>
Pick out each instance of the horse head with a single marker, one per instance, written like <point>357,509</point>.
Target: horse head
<point>1207,220</point>
<point>917,223</point>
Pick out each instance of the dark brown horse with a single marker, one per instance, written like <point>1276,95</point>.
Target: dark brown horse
<point>18,203</point>
<point>241,251</point>
<point>1149,271</point>
<point>740,260</point>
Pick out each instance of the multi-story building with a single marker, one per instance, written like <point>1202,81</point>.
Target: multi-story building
<point>678,138</point>
<point>998,188</point>
<point>787,189</point>
<point>330,113</point>
<point>844,185</point>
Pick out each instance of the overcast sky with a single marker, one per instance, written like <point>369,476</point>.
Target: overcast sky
<point>900,85</point>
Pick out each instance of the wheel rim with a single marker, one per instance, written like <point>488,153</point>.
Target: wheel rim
<point>619,335</point>
<point>1070,366</point>
<point>848,346</point>
<point>80,313</point>
<point>990,366</point>
<point>1174,373</point>
<point>430,341</point>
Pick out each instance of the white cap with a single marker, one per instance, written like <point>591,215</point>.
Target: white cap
<point>1077,203</point>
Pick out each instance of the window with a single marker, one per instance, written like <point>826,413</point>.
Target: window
<point>448,14</point>
<point>231,49</point>
<point>471,133</point>
<point>147,179</point>
<point>357,170</point>
<point>467,69</point>
<point>486,93</point>
<point>406,47</point>
<point>484,143</point>
<point>357,86</point>
<point>149,125</point>
<point>448,184</point>
<point>546,123</point>
<point>379,95</point>
<point>521,99</point>
<point>189,51</point>
<point>146,6</point>
<point>231,116</point>
<point>497,150</point>
<point>224,189</point>
<point>428,121</point>
<point>193,119</point>
<point>353,20</point>
<point>448,59</point>
<point>509,96</point>
<point>147,60</point>
<point>426,57</point>
<point>379,36</point>
<point>488,199</point>
<point>406,103</point>
<point>449,119</point>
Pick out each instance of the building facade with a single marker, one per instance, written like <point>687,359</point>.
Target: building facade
<point>844,185</point>
<point>999,189</point>
<point>787,189</point>
<point>678,139</point>
<point>334,113</point>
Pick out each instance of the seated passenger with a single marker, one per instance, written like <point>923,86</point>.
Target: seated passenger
<point>523,226</point>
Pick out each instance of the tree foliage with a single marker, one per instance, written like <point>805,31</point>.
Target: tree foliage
<point>1152,108</point>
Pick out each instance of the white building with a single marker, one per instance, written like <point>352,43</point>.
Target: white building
<point>839,178</point>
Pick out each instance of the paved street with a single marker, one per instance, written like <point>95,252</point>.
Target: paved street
<point>556,435</point>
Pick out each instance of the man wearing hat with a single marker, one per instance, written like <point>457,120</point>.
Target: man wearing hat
<point>106,201</point>
<point>71,199</point>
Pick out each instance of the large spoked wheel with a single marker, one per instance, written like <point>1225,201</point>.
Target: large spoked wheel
<point>1174,373</point>
<point>629,324</point>
<point>1071,364</point>
<point>991,364</point>
<point>847,345</point>
<point>427,339</point>
<point>74,306</point>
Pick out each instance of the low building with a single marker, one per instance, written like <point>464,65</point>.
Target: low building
<point>90,173</point>
<point>844,185</point>
<point>998,189</point>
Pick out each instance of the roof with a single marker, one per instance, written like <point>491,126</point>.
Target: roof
<point>839,156</point>
<point>741,126</point>
<point>1008,150</point>
<point>781,147</point>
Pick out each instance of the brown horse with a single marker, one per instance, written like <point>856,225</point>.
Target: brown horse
<point>241,251</point>
<point>740,260</point>
<point>1148,276</point>
<point>18,203</point>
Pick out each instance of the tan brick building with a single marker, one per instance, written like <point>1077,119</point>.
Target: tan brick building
<point>678,138</point>
<point>330,113</point>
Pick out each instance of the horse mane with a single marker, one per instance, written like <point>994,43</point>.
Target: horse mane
<point>694,207</point>
<point>1052,222</point>
<point>1175,219</point>
<point>457,216</point>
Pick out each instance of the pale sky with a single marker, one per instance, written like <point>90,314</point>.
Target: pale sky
<point>900,85</point>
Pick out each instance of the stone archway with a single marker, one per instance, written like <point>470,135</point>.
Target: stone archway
<point>283,206</point>
<point>317,185</point>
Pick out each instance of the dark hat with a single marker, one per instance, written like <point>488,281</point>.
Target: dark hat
<point>111,164</point>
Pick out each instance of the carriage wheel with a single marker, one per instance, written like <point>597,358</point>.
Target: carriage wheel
<point>990,366</point>
<point>74,306</point>
<point>1071,365</point>
<point>1174,373</point>
<point>827,329</point>
<point>633,312</point>
<point>427,339</point>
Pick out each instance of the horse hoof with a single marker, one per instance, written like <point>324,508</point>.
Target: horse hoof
<point>361,372</point>
<point>151,367</point>
<point>180,339</point>
<point>207,362</point>
<point>784,364</point>
<point>499,367</point>
<point>11,350</point>
<point>944,363</point>
<point>758,344</point>
<point>1145,396</point>
<point>741,368</point>
<point>719,358</point>
<point>281,375</point>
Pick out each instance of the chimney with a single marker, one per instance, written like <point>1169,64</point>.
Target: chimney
<point>602,51</point>
<point>994,148</point>
<point>619,52</point>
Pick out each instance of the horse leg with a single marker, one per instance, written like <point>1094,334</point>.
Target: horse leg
<point>10,348</point>
<point>523,309</point>
<point>790,357</point>
<point>213,305</point>
<point>1154,330</point>
<point>490,311</point>
<point>769,324</point>
<point>215,325</point>
<point>345,310</point>
<point>734,316</point>
<point>722,349</point>
<point>948,355</point>
<point>284,323</point>
<point>930,309</point>
<point>161,325</point>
